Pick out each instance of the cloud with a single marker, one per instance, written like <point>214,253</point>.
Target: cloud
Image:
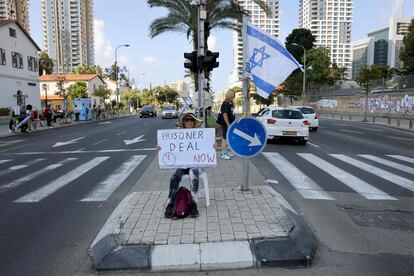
<point>104,52</point>
<point>152,60</point>
<point>393,8</point>
<point>212,43</point>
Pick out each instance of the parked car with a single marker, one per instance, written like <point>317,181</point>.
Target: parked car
<point>285,122</point>
<point>147,111</point>
<point>310,114</point>
<point>169,112</point>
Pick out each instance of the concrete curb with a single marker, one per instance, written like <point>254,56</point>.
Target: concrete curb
<point>297,249</point>
<point>61,126</point>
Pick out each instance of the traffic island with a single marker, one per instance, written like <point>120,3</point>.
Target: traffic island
<point>237,230</point>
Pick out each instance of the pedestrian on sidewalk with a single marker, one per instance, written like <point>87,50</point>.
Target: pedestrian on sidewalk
<point>77,112</point>
<point>49,115</point>
<point>24,122</point>
<point>186,120</point>
<point>225,119</point>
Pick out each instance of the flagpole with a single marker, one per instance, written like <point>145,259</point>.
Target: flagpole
<point>245,108</point>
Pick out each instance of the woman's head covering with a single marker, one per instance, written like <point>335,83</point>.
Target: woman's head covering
<point>197,122</point>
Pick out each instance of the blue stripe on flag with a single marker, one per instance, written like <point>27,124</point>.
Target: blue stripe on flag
<point>263,85</point>
<point>271,42</point>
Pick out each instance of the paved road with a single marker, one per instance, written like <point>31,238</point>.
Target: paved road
<point>54,198</point>
<point>56,195</point>
<point>354,184</point>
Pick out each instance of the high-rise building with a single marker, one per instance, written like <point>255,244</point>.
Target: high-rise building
<point>330,21</point>
<point>258,17</point>
<point>181,87</point>
<point>382,46</point>
<point>16,10</point>
<point>68,33</point>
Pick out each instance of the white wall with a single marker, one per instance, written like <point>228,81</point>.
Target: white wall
<point>14,79</point>
<point>52,88</point>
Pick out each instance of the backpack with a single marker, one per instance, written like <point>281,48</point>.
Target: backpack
<point>182,203</point>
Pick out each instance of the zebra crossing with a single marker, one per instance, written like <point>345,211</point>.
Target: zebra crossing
<point>309,188</point>
<point>101,191</point>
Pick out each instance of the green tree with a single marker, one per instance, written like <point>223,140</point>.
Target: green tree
<point>319,60</point>
<point>61,90</point>
<point>165,94</point>
<point>102,92</point>
<point>78,90</point>
<point>407,50</point>
<point>85,69</point>
<point>147,97</point>
<point>110,72</point>
<point>301,37</point>
<point>45,63</point>
<point>365,79</point>
<point>293,85</point>
<point>131,97</point>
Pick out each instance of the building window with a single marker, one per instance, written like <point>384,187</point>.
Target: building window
<point>2,57</point>
<point>32,64</point>
<point>17,60</point>
<point>12,32</point>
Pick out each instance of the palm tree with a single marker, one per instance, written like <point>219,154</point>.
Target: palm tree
<point>182,17</point>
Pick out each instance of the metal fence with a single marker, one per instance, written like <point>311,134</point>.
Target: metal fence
<point>395,84</point>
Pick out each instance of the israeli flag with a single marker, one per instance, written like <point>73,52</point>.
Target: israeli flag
<point>123,70</point>
<point>132,81</point>
<point>268,62</point>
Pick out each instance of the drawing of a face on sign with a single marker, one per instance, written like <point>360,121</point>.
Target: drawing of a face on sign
<point>168,159</point>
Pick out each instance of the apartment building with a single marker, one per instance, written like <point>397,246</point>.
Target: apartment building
<point>17,10</point>
<point>258,17</point>
<point>19,67</point>
<point>330,21</point>
<point>68,33</point>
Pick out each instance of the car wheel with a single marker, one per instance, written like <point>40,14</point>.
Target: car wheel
<point>302,141</point>
<point>314,129</point>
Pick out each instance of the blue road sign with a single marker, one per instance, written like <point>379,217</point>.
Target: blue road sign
<point>247,137</point>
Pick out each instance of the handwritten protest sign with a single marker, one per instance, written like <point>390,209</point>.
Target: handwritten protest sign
<point>186,148</point>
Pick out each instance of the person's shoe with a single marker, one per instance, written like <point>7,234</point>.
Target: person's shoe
<point>193,210</point>
<point>169,211</point>
<point>229,153</point>
<point>225,156</point>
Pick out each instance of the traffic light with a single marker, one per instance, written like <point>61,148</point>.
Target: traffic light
<point>191,62</point>
<point>210,61</point>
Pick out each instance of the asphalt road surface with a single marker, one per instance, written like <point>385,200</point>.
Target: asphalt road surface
<point>353,182</point>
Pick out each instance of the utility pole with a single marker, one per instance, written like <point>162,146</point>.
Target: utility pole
<point>245,109</point>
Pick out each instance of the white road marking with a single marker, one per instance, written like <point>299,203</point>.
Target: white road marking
<point>396,179</point>
<point>73,141</point>
<point>33,175</point>
<point>313,144</point>
<point>388,163</point>
<point>135,140</point>
<point>19,167</point>
<point>105,189</point>
<point>123,132</point>
<point>352,131</point>
<point>400,138</point>
<point>97,143</point>
<point>403,158</point>
<point>305,186</point>
<point>62,181</point>
<point>5,161</point>
<point>366,190</point>
<point>85,151</point>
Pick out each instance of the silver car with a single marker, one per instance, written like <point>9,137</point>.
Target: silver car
<point>310,114</point>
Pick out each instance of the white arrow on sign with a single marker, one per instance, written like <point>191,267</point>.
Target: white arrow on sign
<point>135,140</point>
<point>59,144</point>
<point>254,141</point>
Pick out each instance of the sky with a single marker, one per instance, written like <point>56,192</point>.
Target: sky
<point>160,60</point>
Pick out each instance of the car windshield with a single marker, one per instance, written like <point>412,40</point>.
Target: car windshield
<point>286,114</point>
<point>262,112</point>
<point>307,110</point>
<point>147,107</point>
<point>169,108</point>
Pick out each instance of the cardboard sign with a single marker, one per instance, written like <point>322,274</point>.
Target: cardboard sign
<point>187,148</point>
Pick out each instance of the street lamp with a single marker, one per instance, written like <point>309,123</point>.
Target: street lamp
<point>304,67</point>
<point>116,72</point>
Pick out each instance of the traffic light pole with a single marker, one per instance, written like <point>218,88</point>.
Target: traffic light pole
<point>202,14</point>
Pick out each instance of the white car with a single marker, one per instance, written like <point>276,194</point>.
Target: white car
<point>169,112</point>
<point>310,115</point>
<point>284,122</point>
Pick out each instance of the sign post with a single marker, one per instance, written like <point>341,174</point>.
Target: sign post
<point>246,137</point>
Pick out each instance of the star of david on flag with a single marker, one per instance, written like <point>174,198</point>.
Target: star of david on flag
<point>268,62</point>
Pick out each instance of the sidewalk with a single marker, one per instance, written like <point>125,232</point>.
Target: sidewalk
<point>238,229</point>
